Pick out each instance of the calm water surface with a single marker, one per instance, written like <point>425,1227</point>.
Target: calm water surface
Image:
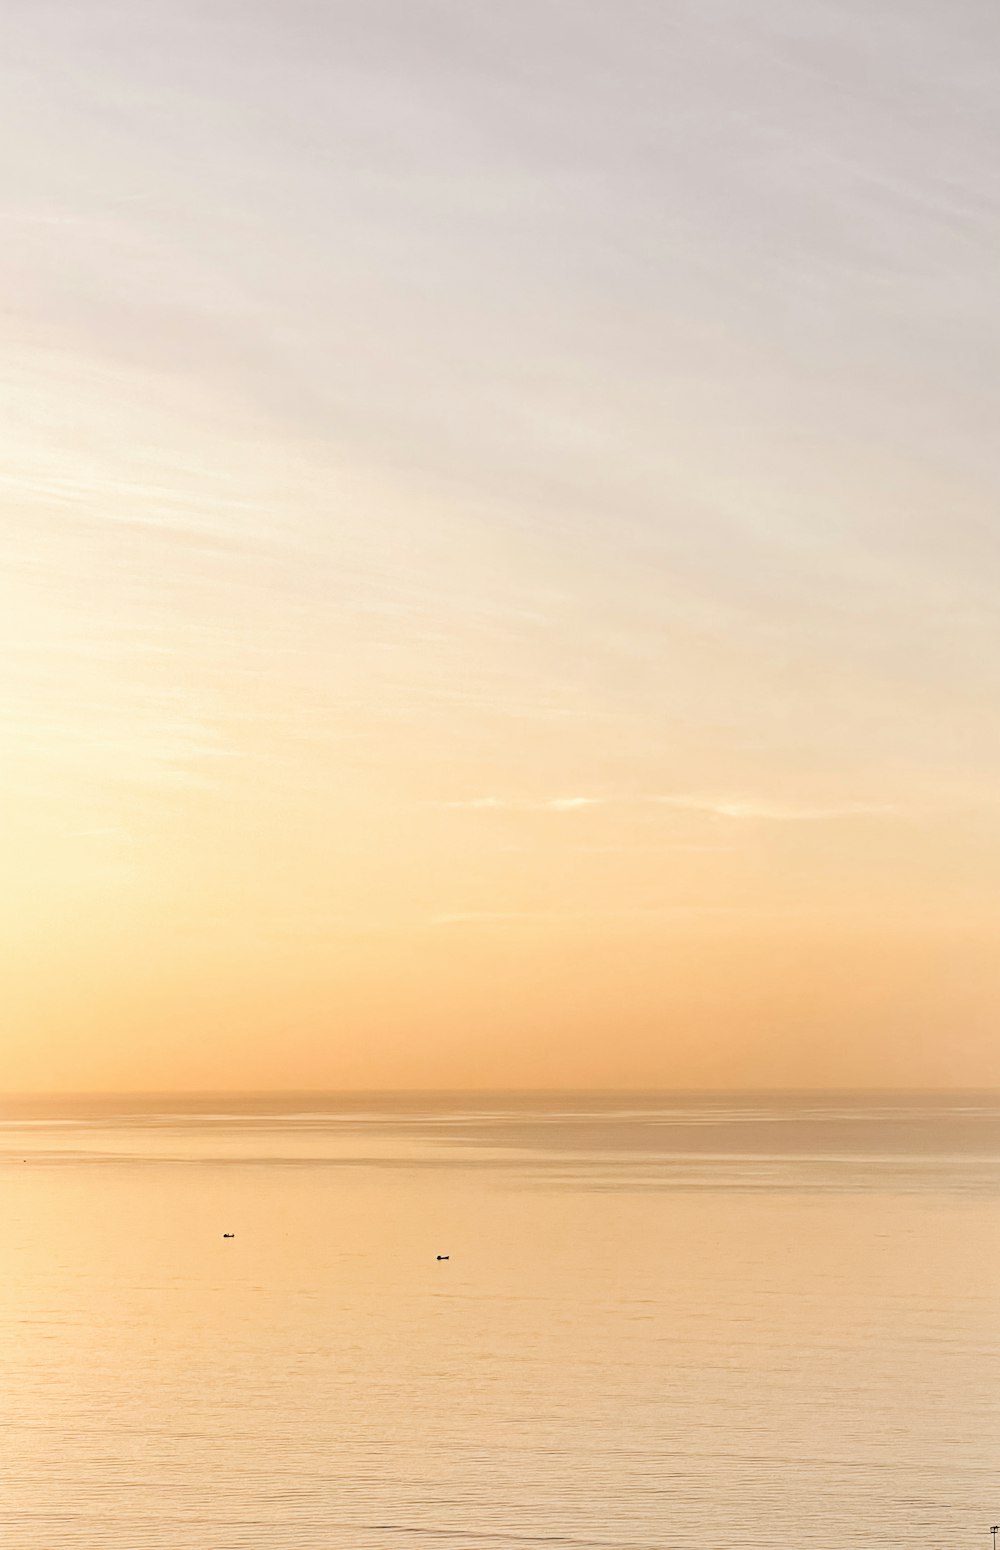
<point>759,1321</point>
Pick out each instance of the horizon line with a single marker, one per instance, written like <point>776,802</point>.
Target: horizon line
<point>485,1091</point>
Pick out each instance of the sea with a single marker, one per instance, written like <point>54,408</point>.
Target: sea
<point>611,1320</point>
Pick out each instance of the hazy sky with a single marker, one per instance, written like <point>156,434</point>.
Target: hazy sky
<point>501,564</point>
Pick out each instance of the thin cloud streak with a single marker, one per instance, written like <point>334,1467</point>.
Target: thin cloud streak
<point>471,917</point>
<point>512,805</point>
<point>733,808</point>
<point>623,913</point>
<point>776,812</point>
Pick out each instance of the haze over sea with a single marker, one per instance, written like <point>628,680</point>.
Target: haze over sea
<point>762,1320</point>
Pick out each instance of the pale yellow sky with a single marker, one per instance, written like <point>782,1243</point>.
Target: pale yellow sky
<point>501,558</point>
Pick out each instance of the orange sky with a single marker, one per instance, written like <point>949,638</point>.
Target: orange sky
<point>500,565</point>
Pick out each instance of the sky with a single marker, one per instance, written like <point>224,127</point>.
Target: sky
<point>501,555</point>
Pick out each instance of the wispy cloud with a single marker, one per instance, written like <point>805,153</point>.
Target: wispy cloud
<point>745,808</point>
<point>775,812</point>
<point>471,917</point>
<point>623,913</point>
<point>568,804</point>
